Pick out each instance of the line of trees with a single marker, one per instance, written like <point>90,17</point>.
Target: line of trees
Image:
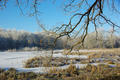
<point>99,39</point>
<point>12,39</point>
<point>102,40</point>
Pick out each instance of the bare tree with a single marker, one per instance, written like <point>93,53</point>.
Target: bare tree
<point>87,12</point>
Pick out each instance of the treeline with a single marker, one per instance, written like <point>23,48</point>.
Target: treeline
<point>102,39</point>
<point>99,39</point>
<point>12,39</point>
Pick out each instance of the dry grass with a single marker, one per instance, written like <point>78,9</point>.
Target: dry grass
<point>93,51</point>
<point>110,62</point>
<point>105,49</point>
<point>77,53</point>
<point>118,64</point>
<point>37,62</point>
<point>49,62</point>
<point>108,54</point>
<point>91,72</point>
<point>12,74</point>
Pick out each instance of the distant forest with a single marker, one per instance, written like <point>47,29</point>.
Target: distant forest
<point>12,39</point>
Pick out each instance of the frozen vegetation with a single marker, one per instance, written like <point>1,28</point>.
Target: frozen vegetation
<point>17,60</point>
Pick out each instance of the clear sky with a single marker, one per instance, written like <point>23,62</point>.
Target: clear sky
<point>51,15</point>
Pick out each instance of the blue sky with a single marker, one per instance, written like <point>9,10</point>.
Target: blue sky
<point>52,15</point>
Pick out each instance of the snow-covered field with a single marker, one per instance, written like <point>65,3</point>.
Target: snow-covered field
<point>17,60</point>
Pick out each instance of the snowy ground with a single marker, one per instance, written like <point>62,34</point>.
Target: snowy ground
<point>17,59</point>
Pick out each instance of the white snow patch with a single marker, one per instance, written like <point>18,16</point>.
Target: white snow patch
<point>14,59</point>
<point>17,59</point>
<point>79,66</point>
<point>70,56</point>
<point>46,69</point>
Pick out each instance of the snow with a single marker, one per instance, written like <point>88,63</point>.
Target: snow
<point>14,59</point>
<point>79,66</point>
<point>17,60</point>
<point>46,69</point>
<point>70,56</point>
<point>110,65</point>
